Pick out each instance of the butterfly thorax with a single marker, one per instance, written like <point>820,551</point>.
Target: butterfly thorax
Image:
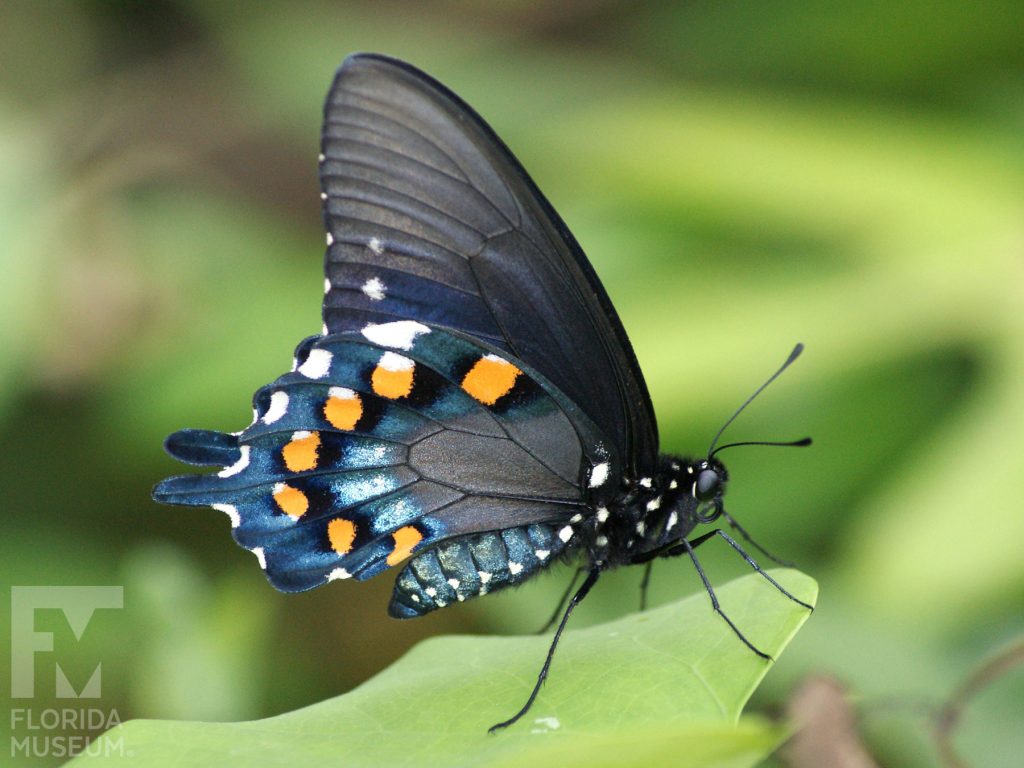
<point>653,512</point>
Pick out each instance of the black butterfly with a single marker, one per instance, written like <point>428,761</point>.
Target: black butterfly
<point>473,408</point>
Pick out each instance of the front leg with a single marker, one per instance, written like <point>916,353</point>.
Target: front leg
<point>674,549</point>
<point>678,548</point>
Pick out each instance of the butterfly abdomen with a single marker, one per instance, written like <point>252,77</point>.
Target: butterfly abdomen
<point>472,566</point>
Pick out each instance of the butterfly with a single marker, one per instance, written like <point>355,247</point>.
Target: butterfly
<point>473,410</point>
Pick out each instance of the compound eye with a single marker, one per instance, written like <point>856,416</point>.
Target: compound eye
<point>708,483</point>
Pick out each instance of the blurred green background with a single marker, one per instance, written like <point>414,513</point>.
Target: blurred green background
<point>742,174</point>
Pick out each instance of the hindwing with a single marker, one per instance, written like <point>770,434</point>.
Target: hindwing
<point>384,443</point>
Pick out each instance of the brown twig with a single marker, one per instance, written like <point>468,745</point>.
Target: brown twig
<point>827,732</point>
<point>948,716</point>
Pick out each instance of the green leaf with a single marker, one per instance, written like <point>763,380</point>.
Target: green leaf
<point>665,685</point>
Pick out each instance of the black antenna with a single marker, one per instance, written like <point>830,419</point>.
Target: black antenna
<point>792,444</point>
<point>789,361</point>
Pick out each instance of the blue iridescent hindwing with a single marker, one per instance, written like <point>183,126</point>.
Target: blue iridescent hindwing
<point>382,444</point>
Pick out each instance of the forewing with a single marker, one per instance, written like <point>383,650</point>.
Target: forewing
<point>431,218</point>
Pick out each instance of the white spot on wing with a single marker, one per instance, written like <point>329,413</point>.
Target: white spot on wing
<point>602,514</point>
<point>375,289</point>
<point>673,485</point>
<point>323,330</point>
<point>375,245</point>
<point>342,393</point>
<point>566,533</point>
<point>672,520</point>
<point>454,583</point>
<point>415,597</point>
<point>278,407</point>
<point>330,239</point>
<point>317,364</point>
<point>238,466</point>
<point>231,511</point>
<point>576,519</point>
<point>542,554</point>
<point>327,285</point>
<point>645,482</point>
<point>389,361</point>
<point>484,576</point>
<point>320,158</point>
<point>601,541</point>
<point>260,556</point>
<point>654,504</point>
<point>515,568</point>
<point>431,592</point>
<point>400,334</point>
<point>323,195</point>
<point>598,474</point>
<point>338,573</point>
<point>640,528</point>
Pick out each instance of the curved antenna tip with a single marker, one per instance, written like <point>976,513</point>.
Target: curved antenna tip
<point>794,444</point>
<point>789,360</point>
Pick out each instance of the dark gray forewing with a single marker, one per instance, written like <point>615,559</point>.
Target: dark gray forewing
<point>430,217</point>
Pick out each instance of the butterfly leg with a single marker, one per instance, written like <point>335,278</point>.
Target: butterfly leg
<point>753,564</point>
<point>577,598</point>
<point>688,548</point>
<point>746,536</point>
<point>561,601</point>
<point>676,549</point>
<point>643,584</point>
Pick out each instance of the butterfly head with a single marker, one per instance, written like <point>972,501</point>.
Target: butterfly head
<point>708,488</point>
<point>685,490</point>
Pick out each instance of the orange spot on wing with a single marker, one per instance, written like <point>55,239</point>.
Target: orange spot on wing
<point>341,533</point>
<point>300,454</point>
<point>392,378</point>
<point>490,378</point>
<point>405,539</point>
<point>291,501</point>
<point>343,409</point>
